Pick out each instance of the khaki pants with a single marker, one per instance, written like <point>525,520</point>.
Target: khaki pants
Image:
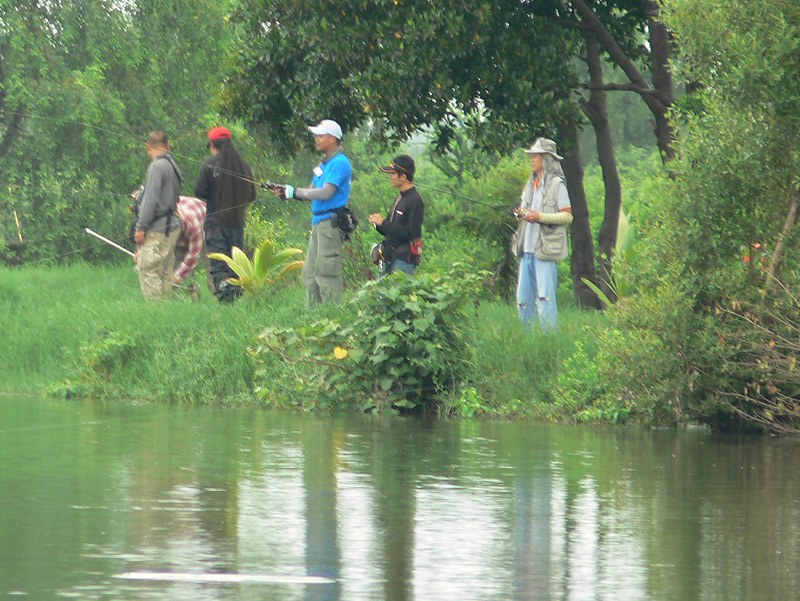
<point>322,272</point>
<point>156,262</point>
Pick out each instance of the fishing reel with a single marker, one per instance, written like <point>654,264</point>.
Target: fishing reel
<point>269,185</point>
<point>273,187</point>
<point>136,198</point>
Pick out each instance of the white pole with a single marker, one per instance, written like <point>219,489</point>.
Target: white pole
<point>109,242</point>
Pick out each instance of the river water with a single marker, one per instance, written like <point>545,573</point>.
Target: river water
<point>102,501</point>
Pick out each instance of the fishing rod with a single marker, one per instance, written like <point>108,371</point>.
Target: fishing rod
<point>467,198</point>
<point>500,208</point>
<point>111,243</point>
<point>266,185</point>
<point>263,185</point>
<point>137,141</point>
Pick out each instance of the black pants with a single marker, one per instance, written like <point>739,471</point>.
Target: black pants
<point>221,239</point>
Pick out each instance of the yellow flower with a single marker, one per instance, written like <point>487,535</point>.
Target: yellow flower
<point>339,352</point>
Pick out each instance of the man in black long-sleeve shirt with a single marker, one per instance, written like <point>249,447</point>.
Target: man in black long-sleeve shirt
<point>402,228</point>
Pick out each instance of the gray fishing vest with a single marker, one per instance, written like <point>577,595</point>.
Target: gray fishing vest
<point>552,243</point>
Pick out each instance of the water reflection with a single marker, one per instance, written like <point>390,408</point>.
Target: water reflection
<point>394,509</point>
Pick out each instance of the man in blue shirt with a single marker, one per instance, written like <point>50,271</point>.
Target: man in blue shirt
<point>329,191</point>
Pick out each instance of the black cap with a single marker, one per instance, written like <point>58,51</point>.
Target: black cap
<point>402,165</point>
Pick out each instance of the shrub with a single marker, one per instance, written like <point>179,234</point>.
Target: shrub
<point>98,362</point>
<point>400,343</point>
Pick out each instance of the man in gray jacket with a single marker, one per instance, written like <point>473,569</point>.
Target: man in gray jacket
<point>157,226</point>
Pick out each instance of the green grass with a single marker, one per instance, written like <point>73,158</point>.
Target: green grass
<point>183,351</point>
<point>516,366</point>
<point>81,324</point>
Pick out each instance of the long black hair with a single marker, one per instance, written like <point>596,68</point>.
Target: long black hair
<point>232,192</point>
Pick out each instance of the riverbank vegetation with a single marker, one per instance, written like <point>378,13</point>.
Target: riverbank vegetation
<point>85,331</point>
<point>699,264</point>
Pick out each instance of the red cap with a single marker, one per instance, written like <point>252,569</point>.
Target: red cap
<point>219,133</point>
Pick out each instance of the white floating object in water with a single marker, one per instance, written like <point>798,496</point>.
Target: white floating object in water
<point>223,578</point>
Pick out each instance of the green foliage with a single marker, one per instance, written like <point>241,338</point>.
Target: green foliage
<point>647,357</point>
<point>461,159</point>
<point>580,388</point>
<point>517,370</point>
<point>622,262</point>
<point>260,226</point>
<point>77,99</point>
<point>640,172</point>
<point>402,344</point>
<point>468,404</point>
<point>675,351</point>
<point>403,68</point>
<point>264,271</point>
<point>98,362</point>
<point>499,184</point>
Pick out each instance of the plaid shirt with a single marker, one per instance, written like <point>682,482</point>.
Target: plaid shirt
<point>192,213</point>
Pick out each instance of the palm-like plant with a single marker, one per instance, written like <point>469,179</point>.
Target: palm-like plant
<point>266,268</point>
<point>625,255</point>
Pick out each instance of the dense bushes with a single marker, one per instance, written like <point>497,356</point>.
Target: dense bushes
<point>708,334</point>
<point>401,342</point>
<point>98,338</point>
<point>76,102</point>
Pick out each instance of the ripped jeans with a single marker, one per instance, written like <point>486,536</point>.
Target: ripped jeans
<point>536,292</point>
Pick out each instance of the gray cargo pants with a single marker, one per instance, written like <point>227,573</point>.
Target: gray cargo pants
<point>322,272</point>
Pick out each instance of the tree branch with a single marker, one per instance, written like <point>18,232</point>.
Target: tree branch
<point>588,110</point>
<point>574,24</point>
<point>622,87</point>
<point>617,54</point>
<point>788,225</point>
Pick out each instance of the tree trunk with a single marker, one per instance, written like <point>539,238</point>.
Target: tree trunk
<point>662,78</point>
<point>661,95</point>
<point>596,109</point>
<point>788,225</point>
<point>582,260</point>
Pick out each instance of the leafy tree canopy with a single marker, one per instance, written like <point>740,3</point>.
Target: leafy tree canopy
<point>81,83</point>
<point>406,65</point>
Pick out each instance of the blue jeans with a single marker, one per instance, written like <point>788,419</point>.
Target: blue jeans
<point>536,292</point>
<point>398,265</point>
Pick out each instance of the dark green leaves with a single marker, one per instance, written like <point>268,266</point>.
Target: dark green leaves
<point>401,346</point>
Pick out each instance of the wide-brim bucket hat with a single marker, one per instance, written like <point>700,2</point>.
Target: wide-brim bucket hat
<point>544,145</point>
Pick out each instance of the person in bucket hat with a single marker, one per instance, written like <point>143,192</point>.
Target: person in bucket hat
<point>544,146</point>
<point>402,228</point>
<point>329,192</point>
<point>545,213</point>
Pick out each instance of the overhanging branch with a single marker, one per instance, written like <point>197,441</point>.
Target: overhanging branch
<point>617,54</point>
<point>623,87</point>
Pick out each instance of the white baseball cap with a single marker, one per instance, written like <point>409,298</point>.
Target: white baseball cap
<point>326,126</point>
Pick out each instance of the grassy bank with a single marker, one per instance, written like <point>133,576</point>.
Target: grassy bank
<point>81,329</point>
